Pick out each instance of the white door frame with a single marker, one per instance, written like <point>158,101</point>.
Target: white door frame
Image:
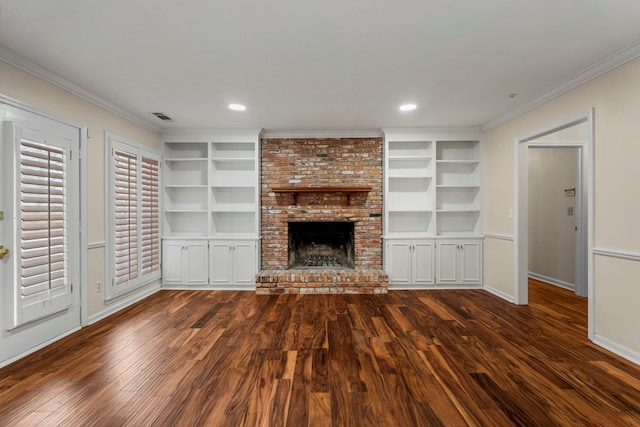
<point>17,111</point>
<point>584,221</point>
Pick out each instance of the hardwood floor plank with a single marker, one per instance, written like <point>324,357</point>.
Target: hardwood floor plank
<point>408,358</point>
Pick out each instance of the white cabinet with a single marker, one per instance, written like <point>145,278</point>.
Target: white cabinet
<point>459,262</point>
<point>211,188</point>
<point>185,263</point>
<point>433,207</point>
<point>409,263</point>
<point>233,264</point>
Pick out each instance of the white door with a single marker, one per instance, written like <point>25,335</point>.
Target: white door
<point>471,262</point>
<point>196,263</point>
<point>220,264</point>
<point>423,254</point>
<point>244,260</point>
<point>40,201</point>
<point>447,262</point>
<point>172,262</point>
<point>399,263</point>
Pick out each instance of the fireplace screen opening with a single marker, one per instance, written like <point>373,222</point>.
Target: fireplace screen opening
<point>321,245</point>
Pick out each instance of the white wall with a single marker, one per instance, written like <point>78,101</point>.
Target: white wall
<point>615,97</point>
<point>551,229</point>
<point>38,93</point>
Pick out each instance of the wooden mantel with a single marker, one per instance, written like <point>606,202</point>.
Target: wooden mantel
<point>297,189</point>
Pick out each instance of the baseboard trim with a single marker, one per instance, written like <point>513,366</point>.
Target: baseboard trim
<point>209,288</point>
<point>500,294</point>
<point>552,281</point>
<point>120,305</point>
<point>616,348</point>
<point>9,361</point>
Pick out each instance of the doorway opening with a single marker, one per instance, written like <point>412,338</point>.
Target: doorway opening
<point>553,211</point>
<point>555,136</point>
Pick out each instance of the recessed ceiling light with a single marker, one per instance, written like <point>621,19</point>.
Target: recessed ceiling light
<point>237,107</point>
<point>408,107</point>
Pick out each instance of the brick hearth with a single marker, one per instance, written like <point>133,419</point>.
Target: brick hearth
<point>338,166</point>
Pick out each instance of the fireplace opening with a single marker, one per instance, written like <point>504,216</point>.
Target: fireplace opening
<point>321,245</point>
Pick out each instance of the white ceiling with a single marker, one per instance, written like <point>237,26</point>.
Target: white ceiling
<point>326,65</point>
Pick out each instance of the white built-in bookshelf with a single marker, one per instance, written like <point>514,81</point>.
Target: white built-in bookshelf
<point>432,185</point>
<point>211,182</point>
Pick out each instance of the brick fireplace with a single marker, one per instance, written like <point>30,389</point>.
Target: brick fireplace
<point>314,193</point>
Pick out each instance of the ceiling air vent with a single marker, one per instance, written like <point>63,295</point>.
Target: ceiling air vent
<point>163,117</point>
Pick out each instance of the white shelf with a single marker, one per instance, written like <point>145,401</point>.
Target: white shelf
<point>409,173</point>
<point>185,151</point>
<point>432,185</point>
<point>211,187</point>
<point>175,160</point>
<point>410,158</point>
<point>457,162</point>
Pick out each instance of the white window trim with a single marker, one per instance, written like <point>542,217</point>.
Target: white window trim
<point>112,142</point>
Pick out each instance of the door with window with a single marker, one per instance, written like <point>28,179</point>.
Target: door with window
<point>40,229</point>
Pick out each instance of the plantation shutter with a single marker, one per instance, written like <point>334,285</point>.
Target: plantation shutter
<point>126,217</point>
<point>44,282</point>
<point>150,216</point>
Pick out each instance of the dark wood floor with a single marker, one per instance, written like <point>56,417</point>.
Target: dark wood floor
<point>409,358</point>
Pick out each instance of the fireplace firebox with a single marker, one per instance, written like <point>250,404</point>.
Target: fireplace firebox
<point>317,245</point>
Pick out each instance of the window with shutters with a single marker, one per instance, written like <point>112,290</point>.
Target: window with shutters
<point>135,223</point>
<point>44,231</point>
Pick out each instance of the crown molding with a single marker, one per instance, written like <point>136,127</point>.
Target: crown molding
<point>282,134</point>
<point>48,76</point>
<point>621,57</point>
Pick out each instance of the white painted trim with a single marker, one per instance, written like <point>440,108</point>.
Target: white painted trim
<point>284,134</point>
<point>629,256</point>
<point>500,294</point>
<point>11,102</point>
<point>251,288</point>
<point>617,349</point>
<point>433,133</point>
<point>621,57</point>
<point>586,227</point>
<point>84,227</point>
<point>96,245</point>
<point>61,82</point>
<point>552,281</point>
<point>9,361</point>
<point>498,236</point>
<point>125,302</point>
<point>211,135</point>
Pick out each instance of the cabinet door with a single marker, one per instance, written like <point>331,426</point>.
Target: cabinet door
<point>196,263</point>
<point>399,262</point>
<point>422,262</point>
<point>220,272</point>
<point>447,262</point>
<point>172,265</point>
<point>471,262</point>
<point>244,263</point>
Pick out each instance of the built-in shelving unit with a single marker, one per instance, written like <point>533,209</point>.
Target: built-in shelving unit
<point>409,186</point>
<point>432,199</point>
<point>185,183</point>
<point>458,187</point>
<point>211,192</point>
<point>432,185</point>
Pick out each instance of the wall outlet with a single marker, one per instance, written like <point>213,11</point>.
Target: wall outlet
<point>509,213</point>
<point>570,211</point>
<point>98,286</point>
